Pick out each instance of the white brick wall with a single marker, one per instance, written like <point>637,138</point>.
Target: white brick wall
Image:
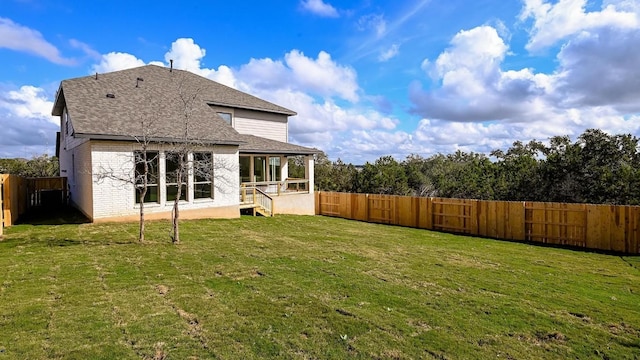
<point>114,197</point>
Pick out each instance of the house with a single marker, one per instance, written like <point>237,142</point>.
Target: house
<point>106,120</point>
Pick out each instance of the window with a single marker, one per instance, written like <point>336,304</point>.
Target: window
<point>202,175</point>
<point>226,117</point>
<point>245,169</point>
<point>274,169</point>
<point>152,175</point>
<point>65,120</point>
<point>176,165</point>
<point>260,168</point>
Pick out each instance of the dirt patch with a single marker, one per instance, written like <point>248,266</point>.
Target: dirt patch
<point>550,336</point>
<point>162,289</point>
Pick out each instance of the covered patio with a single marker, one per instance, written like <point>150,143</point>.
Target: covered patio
<point>264,176</point>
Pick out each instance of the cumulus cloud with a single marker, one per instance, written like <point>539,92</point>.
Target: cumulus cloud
<point>21,38</point>
<point>115,61</point>
<point>555,22</point>
<point>474,104</point>
<point>472,85</point>
<point>28,102</point>
<point>319,7</point>
<point>187,55</point>
<point>28,129</point>
<point>323,75</point>
<point>601,70</point>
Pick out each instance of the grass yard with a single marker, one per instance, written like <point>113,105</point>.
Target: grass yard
<point>296,287</point>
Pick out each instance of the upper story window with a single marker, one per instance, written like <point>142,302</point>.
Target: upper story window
<point>65,121</point>
<point>227,117</point>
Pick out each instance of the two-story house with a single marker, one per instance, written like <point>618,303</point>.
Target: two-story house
<point>107,120</point>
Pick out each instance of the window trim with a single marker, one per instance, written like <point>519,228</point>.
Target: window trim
<point>185,195</point>
<point>155,157</point>
<point>220,113</point>
<point>211,171</point>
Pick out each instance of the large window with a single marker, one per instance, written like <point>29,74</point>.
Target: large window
<point>151,160</point>
<point>274,168</point>
<point>245,169</point>
<point>260,168</point>
<point>173,169</point>
<point>202,175</point>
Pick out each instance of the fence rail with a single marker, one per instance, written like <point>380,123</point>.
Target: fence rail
<point>599,227</point>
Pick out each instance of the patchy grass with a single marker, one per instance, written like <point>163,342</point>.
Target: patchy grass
<point>305,288</point>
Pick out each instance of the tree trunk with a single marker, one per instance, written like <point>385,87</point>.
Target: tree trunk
<point>141,235</point>
<point>143,193</point>
<point>176,208</point>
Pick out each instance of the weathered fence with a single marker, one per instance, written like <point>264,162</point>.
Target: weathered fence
<point>601,227</point>
<point>20,194</point>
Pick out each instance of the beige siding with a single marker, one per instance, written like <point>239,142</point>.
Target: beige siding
<point>263,128</point>
<point>267,125</point>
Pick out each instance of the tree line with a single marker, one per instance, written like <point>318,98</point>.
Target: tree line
<point>596,168</point>
<point>38,166</point>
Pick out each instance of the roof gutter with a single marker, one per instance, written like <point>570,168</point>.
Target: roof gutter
<point>156,139</point>
<point>283,112</point>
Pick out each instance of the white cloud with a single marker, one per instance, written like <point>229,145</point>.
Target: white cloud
<point>115,61</point>
<point>320,8</point>
<point>323,75</point>
<point>472,85</point>
<point>186,55</point>
<point>390,53</point>
<point>28,129</point>
<point>600,69</point>
<point>555,22</point>
<point>21,38</point>
<point>28,102</point>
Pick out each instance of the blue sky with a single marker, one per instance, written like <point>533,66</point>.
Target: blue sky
<point>367,78</point>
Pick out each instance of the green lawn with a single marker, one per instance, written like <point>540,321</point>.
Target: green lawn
<point>298,287</point>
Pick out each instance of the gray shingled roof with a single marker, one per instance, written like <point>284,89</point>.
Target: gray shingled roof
<point>259,145</point>
<point>159,98</point>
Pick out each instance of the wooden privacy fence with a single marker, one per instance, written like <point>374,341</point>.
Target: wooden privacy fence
<point>20,194</point>
<point>601,227</point>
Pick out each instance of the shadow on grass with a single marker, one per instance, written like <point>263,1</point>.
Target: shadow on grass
<point>62,215</point>
<point>73,242</point>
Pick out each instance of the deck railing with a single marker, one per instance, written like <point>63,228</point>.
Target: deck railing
<point>289,185</point>
<point>255,196</point>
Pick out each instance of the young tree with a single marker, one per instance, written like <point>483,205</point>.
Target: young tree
<point>190,157</point>
<point>145,170</point>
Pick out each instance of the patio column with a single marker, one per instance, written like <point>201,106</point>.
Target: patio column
<point>284,168</point>
<point>309,171</point>
<point>162,177</point>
